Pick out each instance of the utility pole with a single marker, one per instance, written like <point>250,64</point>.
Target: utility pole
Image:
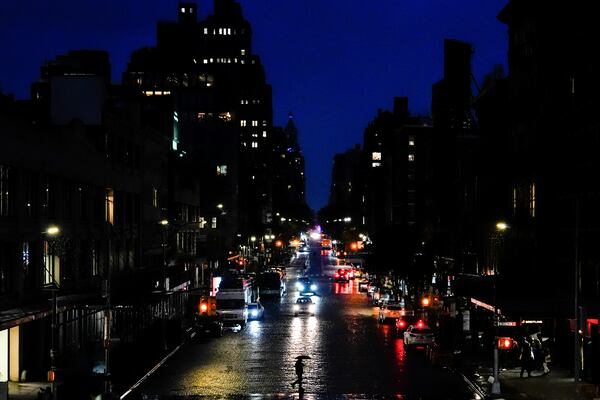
<point>577,323</point>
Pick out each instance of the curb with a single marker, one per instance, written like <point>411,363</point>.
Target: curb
<point>149,373</point>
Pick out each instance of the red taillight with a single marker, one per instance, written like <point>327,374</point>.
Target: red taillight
<point>203,307</point>
<point>401,324</point>
<point>337,275</point>
<point>506,343</point>
<point>420,324</point>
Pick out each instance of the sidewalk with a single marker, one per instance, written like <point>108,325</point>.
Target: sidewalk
<point>556,385</point>
<point>25,390</point>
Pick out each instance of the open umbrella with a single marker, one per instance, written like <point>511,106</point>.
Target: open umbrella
<point>303,358</point>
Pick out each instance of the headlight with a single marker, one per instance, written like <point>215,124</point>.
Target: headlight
<point>313,287</point>
<point>296,307</point>
<point>255,313</point>
<point>301,287</point>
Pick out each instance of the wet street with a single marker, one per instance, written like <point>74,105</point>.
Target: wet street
<point>351,353</point>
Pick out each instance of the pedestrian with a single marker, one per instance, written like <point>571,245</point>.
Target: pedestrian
<point>547,359</point>
<point>299,366</point>
<point>526,357</point>
<point>538,351</point>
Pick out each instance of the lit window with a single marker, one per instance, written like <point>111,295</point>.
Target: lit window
<point>376,156</point>
<point>254,145</point>
<point>243,52</point>
<point>206,31</point>
<point>514,200</point>
<point>264,123</point>
<point>226,116</point>
<point>411,157</point>
<point>109,206</point>
<point>213,224</point>
<point>229,31</point>
<point>51,266</point>
<point>242,102</point>
<point>183,10</point>
<point>205,61</point>
<point>222,170</point>
<point>264,133</point>
<point>532,200</point>
<point>254,123</point>
<point>411,142</point>
<point>243,122</point>
<point>376,164</point>
<point>220,31</point>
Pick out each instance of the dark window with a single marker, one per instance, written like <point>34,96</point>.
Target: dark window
<point>5,259</point>
<point>6,192</point>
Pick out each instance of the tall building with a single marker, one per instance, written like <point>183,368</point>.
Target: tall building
<point>222,111</point>
<point>454,150</point>
<point>289,182</point>
<point>553,84</point>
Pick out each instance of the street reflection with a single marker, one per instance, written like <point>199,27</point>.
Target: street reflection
<point>254,328</point>
<point>343,288</point>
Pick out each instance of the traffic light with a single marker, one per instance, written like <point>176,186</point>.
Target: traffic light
<point>505,343</point>
<point>203,308</point>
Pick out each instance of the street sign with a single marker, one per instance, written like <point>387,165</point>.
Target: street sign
<point>507,323</point>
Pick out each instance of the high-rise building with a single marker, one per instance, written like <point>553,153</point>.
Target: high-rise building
<point>222,111</point>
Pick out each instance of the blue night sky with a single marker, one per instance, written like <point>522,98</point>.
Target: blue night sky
<point>332,62</point>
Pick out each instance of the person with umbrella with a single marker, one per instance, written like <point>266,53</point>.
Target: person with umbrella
<point>299,366</point>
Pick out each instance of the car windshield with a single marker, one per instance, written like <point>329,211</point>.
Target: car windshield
<point>252,306</point>
<point>395,308</point>
<point>303,300</point>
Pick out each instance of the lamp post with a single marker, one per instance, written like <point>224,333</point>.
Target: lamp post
<point>501,227</point>
<point>53,285</point>
<point>165,225</point>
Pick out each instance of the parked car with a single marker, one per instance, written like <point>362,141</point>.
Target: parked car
<point>304,305</point>
<point>363,285</point>
<point>256,311</point>
<point>390,311</point>
<point>418,336</point>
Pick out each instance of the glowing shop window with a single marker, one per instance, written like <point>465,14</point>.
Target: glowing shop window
<point>411,157</point>
<point>376,156</point>
<point>222,170</point>
<point>376,164</point>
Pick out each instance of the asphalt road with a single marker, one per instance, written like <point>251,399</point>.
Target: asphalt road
<point>351,354</point>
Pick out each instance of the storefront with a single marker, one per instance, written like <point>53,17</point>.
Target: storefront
<point>9,354</point>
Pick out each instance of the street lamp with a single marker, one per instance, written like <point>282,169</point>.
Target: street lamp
<point>165,224</point>
<point>501,227</point>
<point>52,232</point>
